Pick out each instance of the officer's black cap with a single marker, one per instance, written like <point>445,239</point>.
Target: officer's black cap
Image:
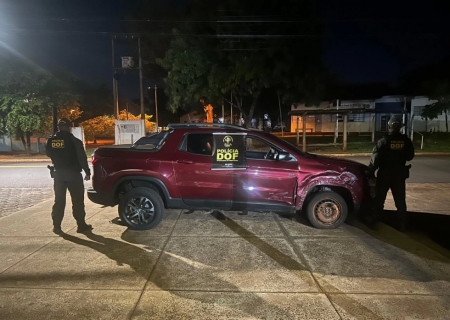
<point>64,122</point>
<point>395,123</point>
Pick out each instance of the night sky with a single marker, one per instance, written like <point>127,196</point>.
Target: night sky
<point>364,41</point>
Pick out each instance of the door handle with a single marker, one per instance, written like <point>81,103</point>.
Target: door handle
<point>185,161</point>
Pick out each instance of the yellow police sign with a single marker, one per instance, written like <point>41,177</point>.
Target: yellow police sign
<point>397,145</point>
<point>227,154</point>
<point>58,144</point>
<point>229,151</point>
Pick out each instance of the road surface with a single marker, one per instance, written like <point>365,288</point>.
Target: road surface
<point>24,185</point>
<point>425,169</point>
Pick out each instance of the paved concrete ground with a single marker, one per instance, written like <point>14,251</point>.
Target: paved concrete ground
<point>219,266</point>
<point>16,199</point>
<point>425,197</point>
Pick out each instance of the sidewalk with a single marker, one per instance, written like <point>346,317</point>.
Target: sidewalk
<point>220,266</point>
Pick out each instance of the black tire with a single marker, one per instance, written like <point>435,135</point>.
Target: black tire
<point>119,207</point>
<point>141,208</point>
<point>326,210</point>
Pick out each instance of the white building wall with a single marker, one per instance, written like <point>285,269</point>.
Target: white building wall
<point>327,123</point>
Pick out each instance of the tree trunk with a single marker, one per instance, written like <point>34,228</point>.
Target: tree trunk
<point>237,104</point>
<point>22,138</point>
<point>253,105</point>
<point>247,116</point>
<point>28,142</point>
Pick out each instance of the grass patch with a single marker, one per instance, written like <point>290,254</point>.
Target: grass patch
<point>436,142</point>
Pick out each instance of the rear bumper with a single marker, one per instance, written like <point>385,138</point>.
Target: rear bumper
<point>105,200</point>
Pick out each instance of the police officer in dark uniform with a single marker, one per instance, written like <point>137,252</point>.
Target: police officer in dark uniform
<point>69,158</point>
<point>390,156</point>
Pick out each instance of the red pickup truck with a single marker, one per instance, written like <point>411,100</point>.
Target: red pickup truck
<point>224,167</point>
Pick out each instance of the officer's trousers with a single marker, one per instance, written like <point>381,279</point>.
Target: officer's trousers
<point>396,182</point>
<point>73,181</point>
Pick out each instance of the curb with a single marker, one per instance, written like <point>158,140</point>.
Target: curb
<point>370,154</point>
<point>12,160</point>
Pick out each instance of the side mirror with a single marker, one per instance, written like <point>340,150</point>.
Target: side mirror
<point>283,156</point>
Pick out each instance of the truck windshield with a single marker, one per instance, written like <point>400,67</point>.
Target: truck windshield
<point>288,145</point>
<point>152,141</point>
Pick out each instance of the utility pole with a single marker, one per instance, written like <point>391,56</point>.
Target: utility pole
<point>116,114</point>
<point>281,116</point>
<point>373,128</point>
<point>223,112</point>
<point>116,89</point>
<point>406,129</point>
<point>140,81</point>
<point>156,108</point>
<point>156,105</point>
<point>336,129</point>
<point>304,133</point>
<point>344,146</point>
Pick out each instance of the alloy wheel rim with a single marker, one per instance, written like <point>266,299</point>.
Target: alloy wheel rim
<point>139,211</point>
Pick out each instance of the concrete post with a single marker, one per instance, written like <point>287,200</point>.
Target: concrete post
<point>344,147</point>
<point>336,129</point>
<point>304,134</point>
<point>373,128</point>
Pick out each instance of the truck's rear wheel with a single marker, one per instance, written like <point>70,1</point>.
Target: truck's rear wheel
<point>326,210</point>
<point>141,208</point>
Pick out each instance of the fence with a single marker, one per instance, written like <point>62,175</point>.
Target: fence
<point>10,145</point>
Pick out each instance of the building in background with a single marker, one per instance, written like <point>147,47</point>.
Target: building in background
<point>374,112</point>
<point>421,125</point>
<point>360,116</point>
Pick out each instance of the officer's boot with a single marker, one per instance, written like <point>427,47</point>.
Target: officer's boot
<point>371,218</point>
<point>402,221</point>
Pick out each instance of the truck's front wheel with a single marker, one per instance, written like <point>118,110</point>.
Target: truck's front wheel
<point>326,210</point>
<point>141,208</point>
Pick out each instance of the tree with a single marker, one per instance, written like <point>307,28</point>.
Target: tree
<point>72,113</point>
<point>212,59</point>
<point>440,91</point>
<point>149,125</point>
<point>187,63</point>
<point>95,101</point>
<point>103,126</point>
<point>27,96</point>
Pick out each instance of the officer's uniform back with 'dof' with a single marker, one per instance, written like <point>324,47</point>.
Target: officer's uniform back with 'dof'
<point>389,157</point>
<point>68,158</point>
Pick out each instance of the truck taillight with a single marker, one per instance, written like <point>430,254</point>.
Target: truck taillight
<point>95,158</point>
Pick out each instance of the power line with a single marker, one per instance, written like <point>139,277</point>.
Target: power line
<point>248,19</point>
<point>230,36</point>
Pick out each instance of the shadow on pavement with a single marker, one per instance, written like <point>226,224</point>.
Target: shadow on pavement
<point>285,260</point>
<point>435,226</point>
